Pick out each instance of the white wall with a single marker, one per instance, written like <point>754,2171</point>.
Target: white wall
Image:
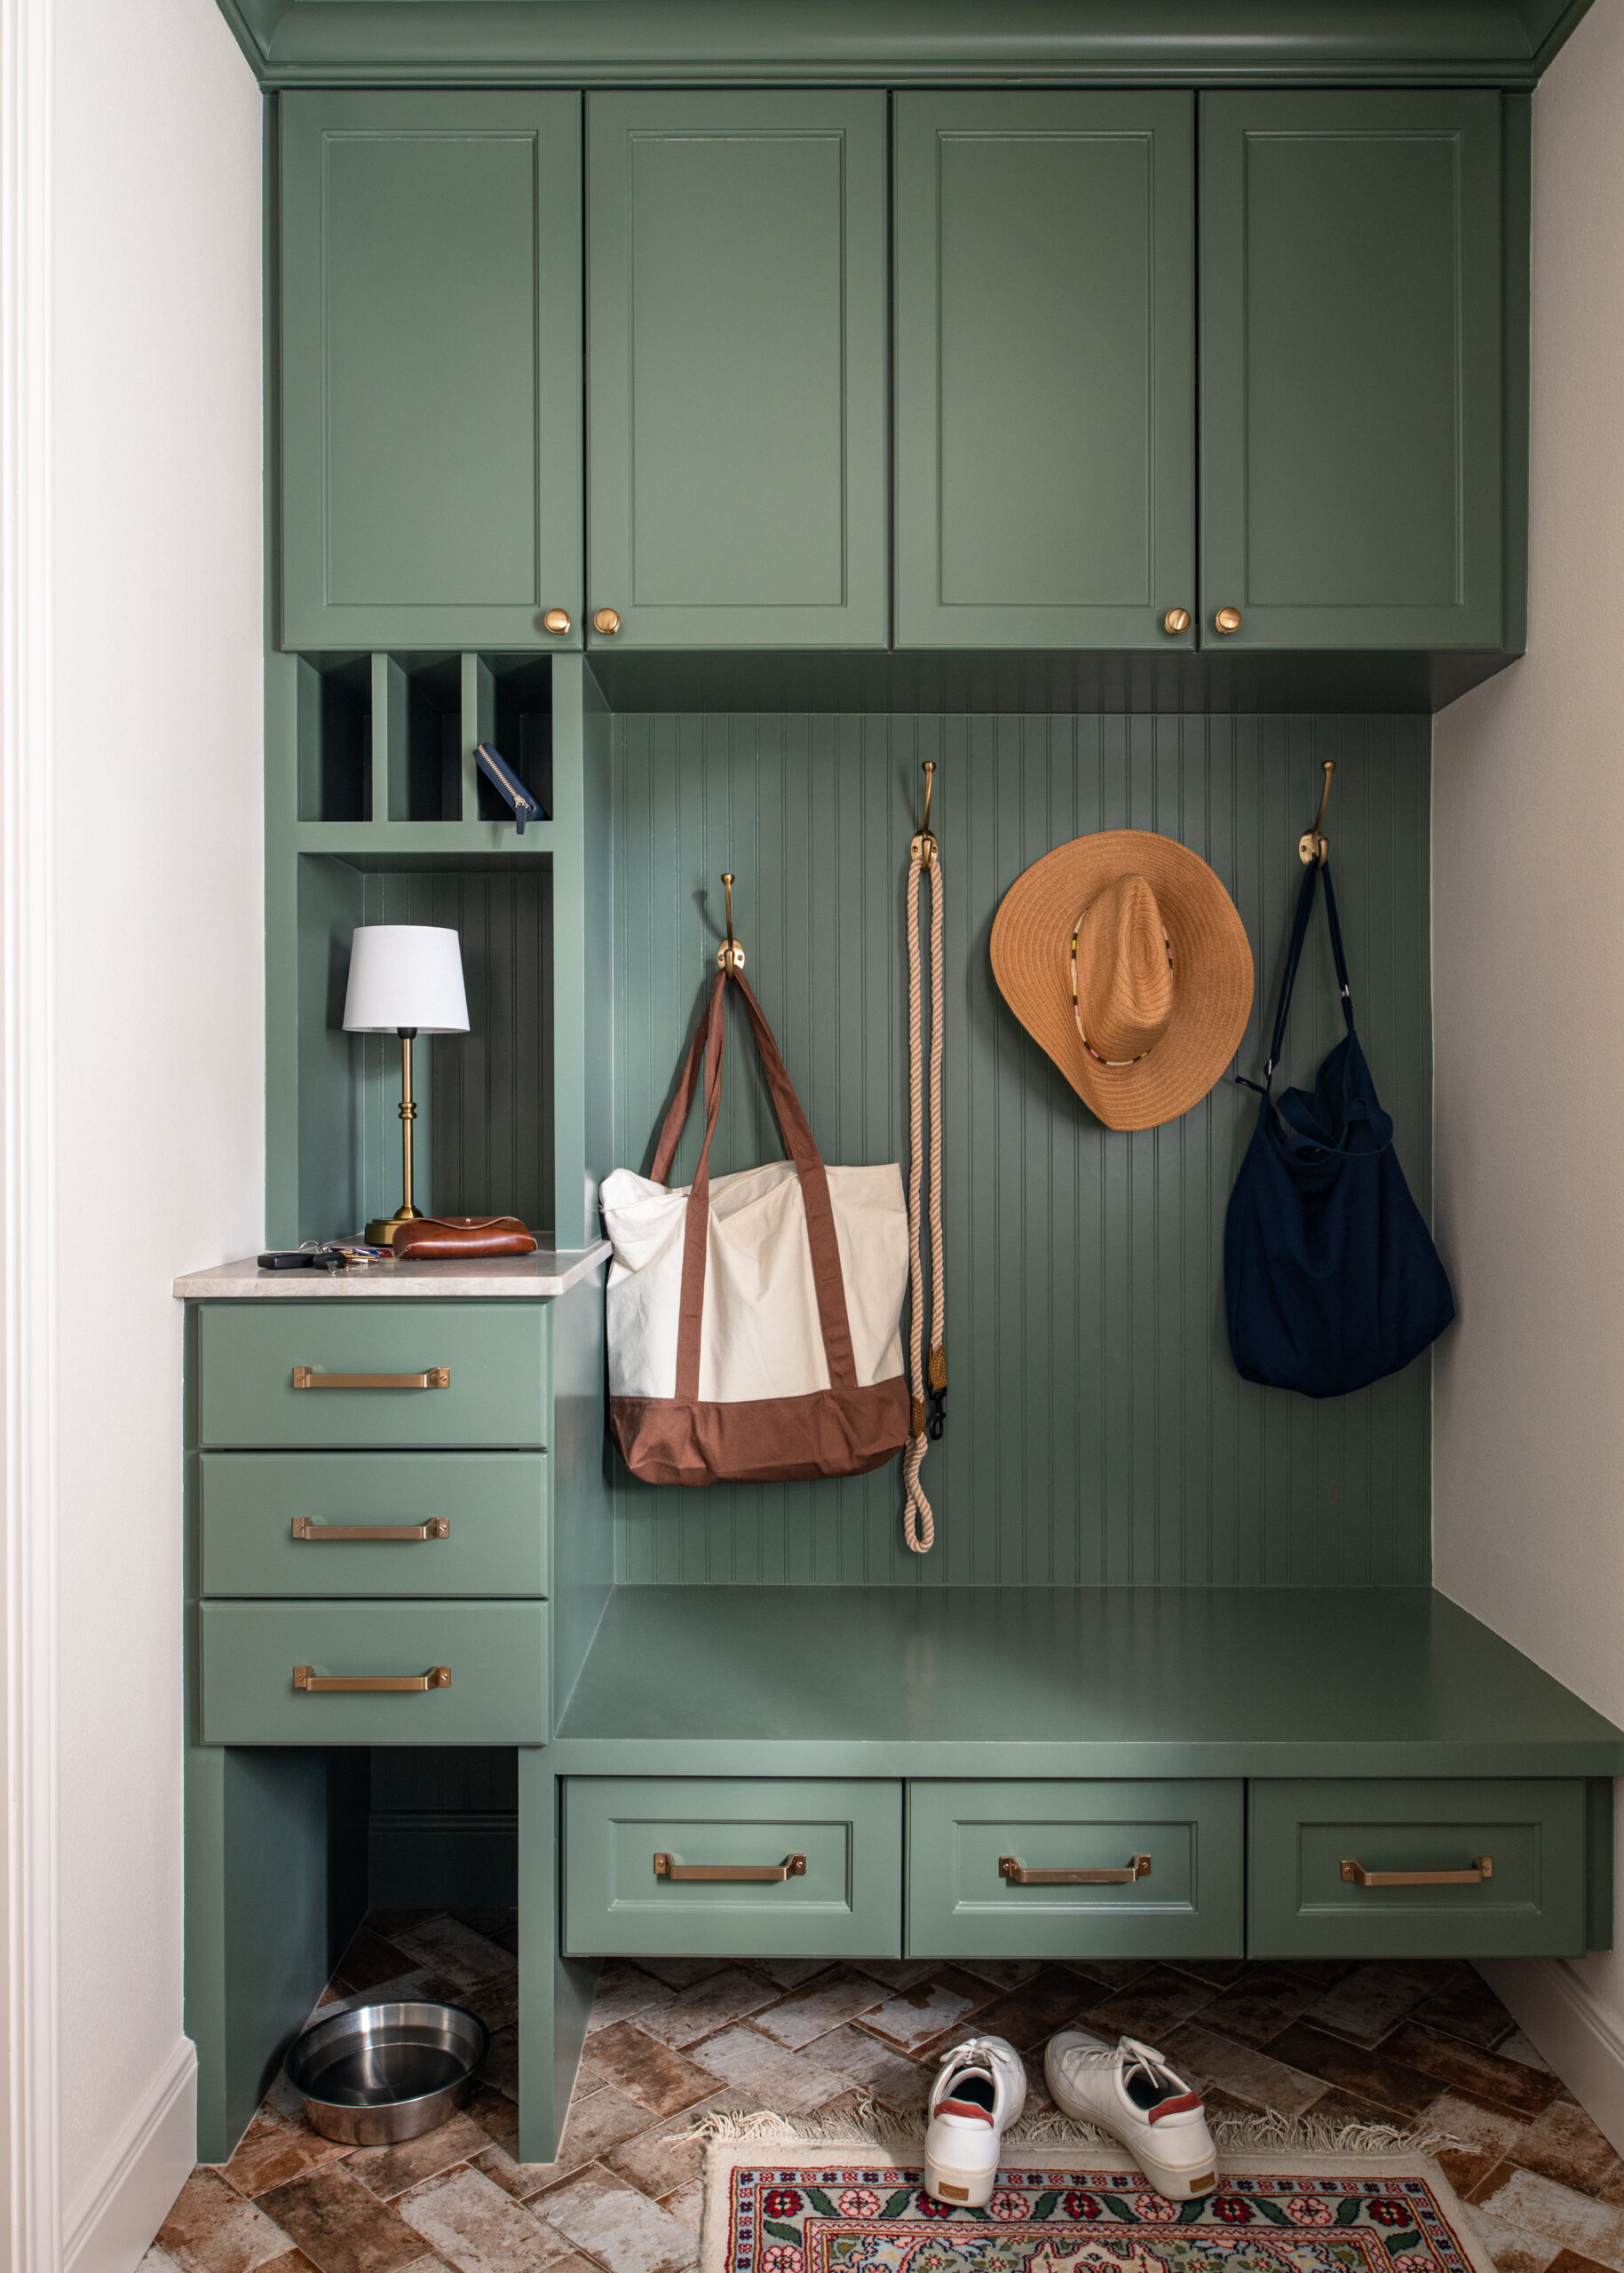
<point>155,398</point>
<point>1528,974</point>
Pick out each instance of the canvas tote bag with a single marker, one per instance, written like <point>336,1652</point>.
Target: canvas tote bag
<point>753,1321</point>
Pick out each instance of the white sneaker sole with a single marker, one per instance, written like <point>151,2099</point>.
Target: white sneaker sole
<point>966,2188</point>
<point>1173,2184</point>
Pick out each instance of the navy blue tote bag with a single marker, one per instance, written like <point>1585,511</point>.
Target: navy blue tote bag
<point>1330,1276</point>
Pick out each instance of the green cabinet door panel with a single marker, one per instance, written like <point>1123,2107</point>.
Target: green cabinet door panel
<point>736,369</point>
<point>497,1653</point>
<point>1045,381</point>
<point>498,1356</point>
<point>846,1903</point>
<point>1531,1903</point>
<point>1350,369</point>
<point>968,1841</point>
<point>271,1522</point>
<point>431,368</point>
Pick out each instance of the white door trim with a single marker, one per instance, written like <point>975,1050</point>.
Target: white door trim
<point>27,1199</point>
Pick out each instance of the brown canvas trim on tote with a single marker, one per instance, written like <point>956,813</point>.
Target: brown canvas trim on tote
<point>843,1431</point>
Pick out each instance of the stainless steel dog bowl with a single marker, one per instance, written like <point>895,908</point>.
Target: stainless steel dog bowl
<point>380,2073</point>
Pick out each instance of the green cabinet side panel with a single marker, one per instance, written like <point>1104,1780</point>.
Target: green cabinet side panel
<point>1301,1833</point>
<point>431,346</point>
<point>1189,1903</point>
<point>497,1354</point>
<point>555,1993</point>
<point>846,1903</point>
<point>1045,368</point>
<point>736,369</point>
<point>496,1651</point>
<point>1350,369</point>
<point>495,1507</point>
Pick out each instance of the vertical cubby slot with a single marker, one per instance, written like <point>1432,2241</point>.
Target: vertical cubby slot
<point>432,787</point>
<point>523,731</point>
<point>335,703</point>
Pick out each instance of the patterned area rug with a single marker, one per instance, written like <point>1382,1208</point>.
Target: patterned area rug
<point>860,2209</point>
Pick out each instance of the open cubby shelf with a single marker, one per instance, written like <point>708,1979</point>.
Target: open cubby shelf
<point>387,740</point>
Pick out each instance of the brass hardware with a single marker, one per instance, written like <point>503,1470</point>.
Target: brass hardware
<point>1176,620</point>
<point>924,847</point>
<point>1483,1867</point>
<point>555,620</point>
<point>1228,619</point>
<point>730,954</point>
<point>1313,843</point>
<point>437,1527</point>
<point>437,1377</point>
<point>306,1677</point>
<point>793,1866</point>
<point>1011,1867</point>
<point>382,1232</point>
<point>606,621</point>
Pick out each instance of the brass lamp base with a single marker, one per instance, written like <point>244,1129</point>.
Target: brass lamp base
<point>382,1232</point>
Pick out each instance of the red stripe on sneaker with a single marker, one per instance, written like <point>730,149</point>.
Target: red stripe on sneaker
<point>1181,2106</point>
<point>966,2107</point>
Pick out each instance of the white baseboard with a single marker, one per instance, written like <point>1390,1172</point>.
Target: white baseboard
<point>110,2228</point>
<point>1564,2022</point>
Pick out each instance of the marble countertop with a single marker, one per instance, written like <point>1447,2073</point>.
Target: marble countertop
<point>523,1277</point>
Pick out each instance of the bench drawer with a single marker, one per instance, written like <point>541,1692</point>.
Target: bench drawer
<point>270,1522</point>
<point>495,1357</point>
<point>980,1855</point>
<point>497,1653</point>
<point>845,1901</point>
<point>1338,1868</point>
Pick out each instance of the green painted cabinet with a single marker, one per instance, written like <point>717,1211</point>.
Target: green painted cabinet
<point>431,368</point>
<point>736,369</point>
<point>1045,368</point>
<point>1350,398</point>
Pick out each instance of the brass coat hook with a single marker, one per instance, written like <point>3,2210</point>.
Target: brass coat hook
<point>924,847</point>
<point>1312,845</point>
<point>730,954</point>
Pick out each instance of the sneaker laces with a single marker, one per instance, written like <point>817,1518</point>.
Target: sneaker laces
<point>1146,2056</point>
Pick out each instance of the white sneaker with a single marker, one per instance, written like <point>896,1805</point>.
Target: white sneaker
<point>979,2089</point>
<point>1131,2092</point>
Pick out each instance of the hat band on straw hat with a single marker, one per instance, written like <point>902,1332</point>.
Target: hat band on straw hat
<point>1114,1063</point>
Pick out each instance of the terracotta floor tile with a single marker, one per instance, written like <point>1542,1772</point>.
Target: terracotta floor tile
<point>1110,1972</point>
<point>792,2082</point>
<point>296,2262</point>
<point>478,2228</point>
<point>391,1922</point>
<point>1324,1972</point>
<point>212,2228</point>
<point>706,2006</point>
<point>389,2171</point>
<point>1569,2261</point>
<point>1149,2007</point>
<point>340,2225</point>
<point>1557,2216</point>
<point>789,1972</point>
<point>824,2004</point>
<point>650,2072</point>
<point>1335,2105</point>
<point>621,2228</point>
<point>272,2151</point>
<point>1217,1972</point>
<point>500,2066</point>
<point>509,1938</point>
<point>603,2119</point>
<point>623,1992</point>
<point>1366,2004</point>
<point>421,1982</point>
<point>1467,2008</point>
<point>1490,2136</point>
<point>1003,1972</point>
<point>492,1923</point>
<point>1266,2000</point>
<point>678,1972</point>
<point>1517,2046</point>
<point>660,2158</point>
<point>496,2001</point>
<point>370,1959</point>
<point>1511,2250</point>
<point>861,2058</point>
<point>447,1946</point>
<point>1375,2076</point>
<point>687,2204</point>
<point>157,2260</point>
<point>1207,2059</point>
<point>914,2015</point>
<point>1565,2145</point>
<point>897,1972</point>
<point>1467,2068</point>
<point>1029,2015</point>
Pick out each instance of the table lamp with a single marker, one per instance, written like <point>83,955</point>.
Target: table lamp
<point>405,978</point>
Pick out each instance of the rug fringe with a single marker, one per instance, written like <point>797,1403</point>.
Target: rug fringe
<point>874,2122</point>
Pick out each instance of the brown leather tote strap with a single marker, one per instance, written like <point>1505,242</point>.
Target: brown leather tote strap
<point>802,1147</point>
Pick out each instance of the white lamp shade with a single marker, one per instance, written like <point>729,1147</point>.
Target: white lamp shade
<point>405,975</point>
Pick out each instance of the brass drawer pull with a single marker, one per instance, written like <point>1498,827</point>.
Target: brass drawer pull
<point>1483,1867</point>
<point>793,1866</point>
<point>307,1677</point>
<point>437,1377</point>
<point>1011,1867</point>
<point>437,1527</point>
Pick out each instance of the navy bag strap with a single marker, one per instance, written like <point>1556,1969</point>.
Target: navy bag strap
<point>1294,956</point>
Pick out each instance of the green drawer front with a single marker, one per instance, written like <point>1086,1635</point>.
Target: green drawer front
<point>847,1904</point>
<point>967,1842</point>
<point>497,1354</point>
<point>496,1651</point>
<point>494,1507</point>
<point>1532,1832</point>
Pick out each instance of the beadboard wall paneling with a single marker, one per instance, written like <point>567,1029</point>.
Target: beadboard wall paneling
<point>484,1132</point>
<point>1097,1429</point>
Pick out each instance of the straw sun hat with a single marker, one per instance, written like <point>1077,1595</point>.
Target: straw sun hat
<point>1158,957</point>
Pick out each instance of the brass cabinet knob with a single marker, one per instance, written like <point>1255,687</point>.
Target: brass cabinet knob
<point>606,621</point>
<point>1176,620</point>
<point>1228,619</point>
<point>555,620</point>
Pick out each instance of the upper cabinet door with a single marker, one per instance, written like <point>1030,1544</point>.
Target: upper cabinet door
<point>1351,369</point>
<point>1045,369</point>
<point>430,359</point>
<point>736,361</point>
